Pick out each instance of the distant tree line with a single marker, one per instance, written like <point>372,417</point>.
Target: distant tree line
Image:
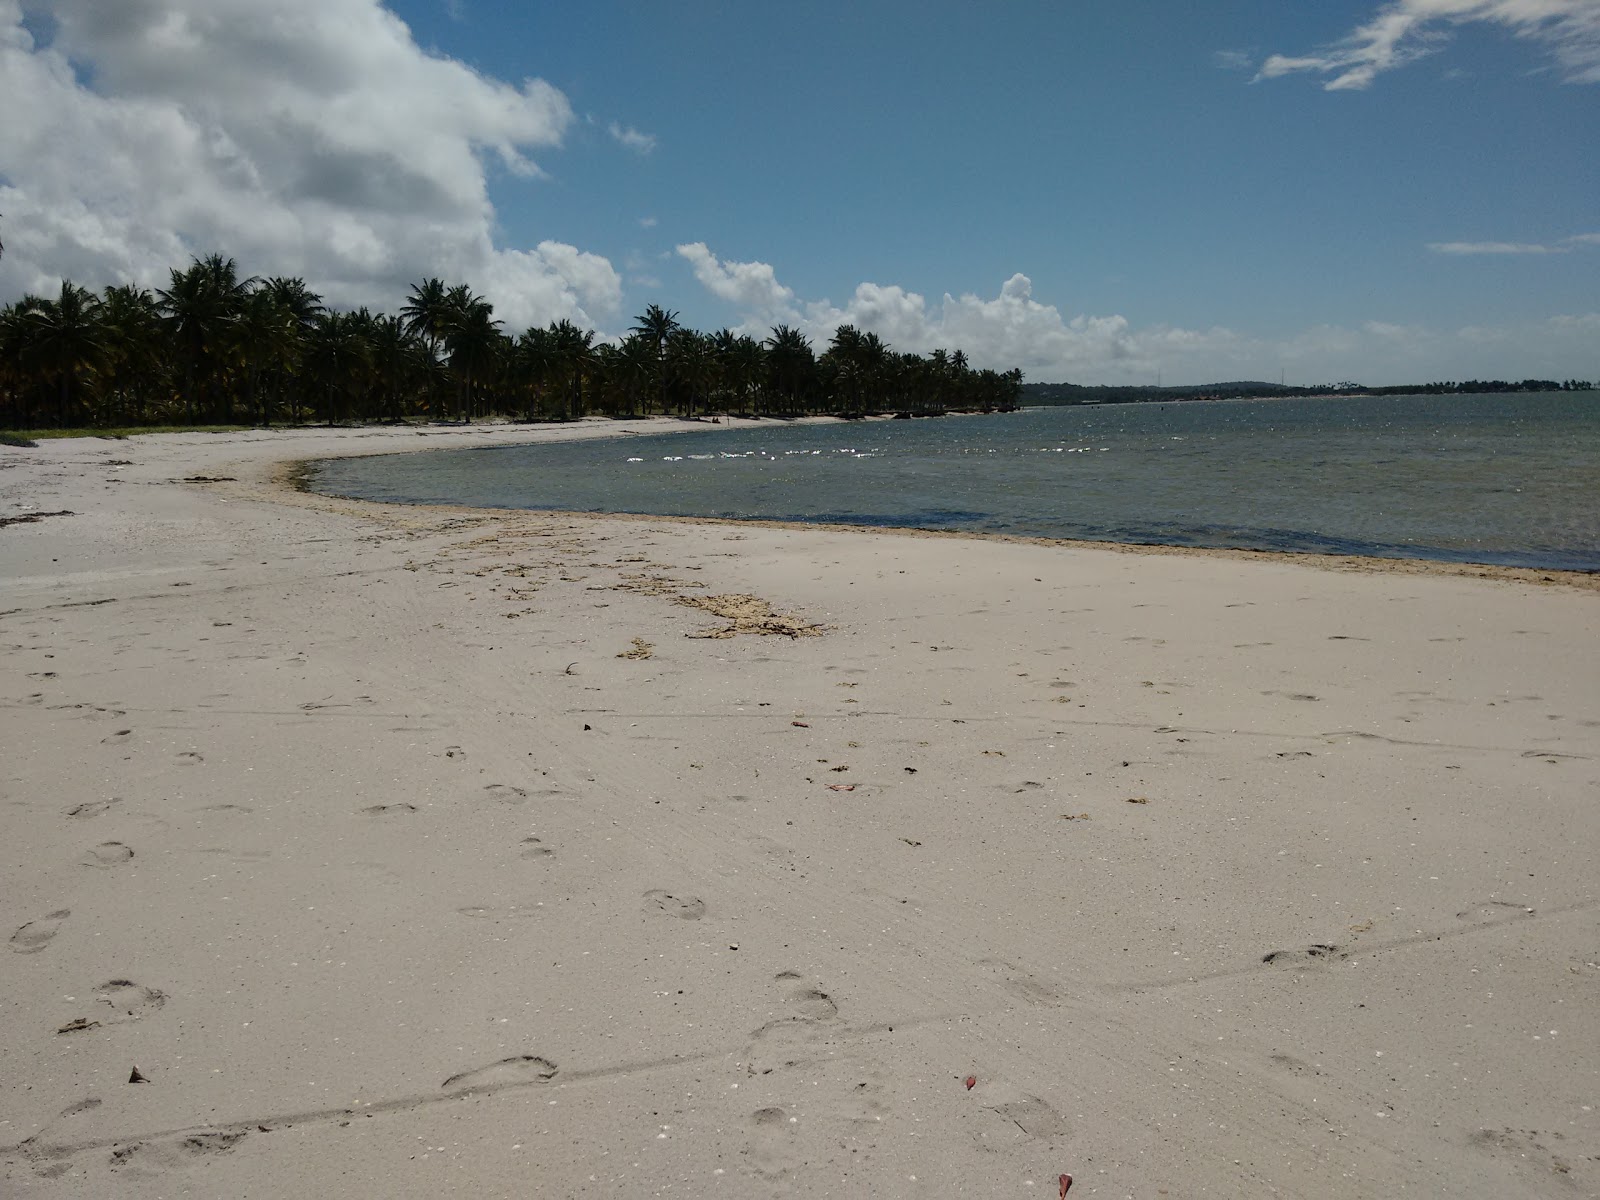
<point>215,348</point>
<point>1074,393</point>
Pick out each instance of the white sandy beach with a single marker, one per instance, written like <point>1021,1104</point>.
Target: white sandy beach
<point>418,852</point>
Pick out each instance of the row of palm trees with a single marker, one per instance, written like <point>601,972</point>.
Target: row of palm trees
<point>216,348</point>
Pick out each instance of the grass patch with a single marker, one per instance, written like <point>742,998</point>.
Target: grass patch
<point>120,432</point>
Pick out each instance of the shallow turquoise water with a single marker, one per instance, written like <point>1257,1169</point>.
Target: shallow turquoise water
<point>1512,480</point>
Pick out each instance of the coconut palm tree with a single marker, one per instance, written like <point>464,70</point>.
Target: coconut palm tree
<point>396,358</point>
<point>532,367</point>
<point>199,305</point>
<point>574,356</point>
<point>135,353</point>
<point>338,358</point>
<point>791,364</point>
<point>472,340</point>
<point>693,363</point>
<point>657,324</point>
<point>633,368</point>
<point>65,346</point>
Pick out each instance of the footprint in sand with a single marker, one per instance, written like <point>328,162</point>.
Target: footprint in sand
<point>128,1000</point>
<point>1293,1065</point>
<point>811,1004</point>
<point>389,810</point>
<point>1317,952</point>
<point>174,1153</point>
<point>1539,1157</point>
<point>188,758</point>
<point>107,854</point>
<point>521,1070</point>
<point>1019,982</point>
<point>771,1151</point>
<point>787,1040</point>
<point>36,935</point>
<point>534,850</point>
<point>92,808</point>
<point>48,1161</point>
<point>505,793</point>
<point>686,908</point>
<point>1009,1118</point>
<point>117,738</point>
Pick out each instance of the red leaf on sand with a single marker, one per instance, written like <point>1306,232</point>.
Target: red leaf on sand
<point>1066,1182</point>
<point>841,787</point>
<point>972,1082</point>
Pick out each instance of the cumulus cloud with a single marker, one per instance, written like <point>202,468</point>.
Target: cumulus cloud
<point>302,137</point>
<point>752,286</point>
<point>1406,30</point>
<point>627,135</point>
<point>1014,329</point>
<point>1564,246</point>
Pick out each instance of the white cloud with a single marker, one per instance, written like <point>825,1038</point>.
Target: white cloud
<point>1013,329</point>
<point>302,137</point>
<point>1463,248</point>
<point>647,222</point>
<point>1564,246</point>
<point>627,135</point>
<point>1405,30</point>
<point>1233,60</point>
<point>751,285</point>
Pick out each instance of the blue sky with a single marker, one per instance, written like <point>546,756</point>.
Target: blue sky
<point>1178,184</point>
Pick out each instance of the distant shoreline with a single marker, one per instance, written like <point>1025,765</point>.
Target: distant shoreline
<point>1071,395</point>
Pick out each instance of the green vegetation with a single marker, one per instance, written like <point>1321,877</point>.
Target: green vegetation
<point>1073,393</point>
<point>118,432</point>
<point>214,350</point>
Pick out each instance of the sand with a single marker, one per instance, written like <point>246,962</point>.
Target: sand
<point>417,852</point>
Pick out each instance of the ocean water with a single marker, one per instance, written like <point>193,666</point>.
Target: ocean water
<point>1504,479</point>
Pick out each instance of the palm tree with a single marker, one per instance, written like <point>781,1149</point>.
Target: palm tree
<point>693,363</point>
<point>574,357</point>
<point>657,324</point>
<point>634,368</point>
<point>427,312</point>
<point>65,345</point>
<point>472,339</point>
<point>338,357</point>
<point>427,315</point>
<point>199,305</point>
<point>135,357</point>
<point>531,367</point>
<point>791,363</point>
<point>301,308</point>
<point>396,362</point>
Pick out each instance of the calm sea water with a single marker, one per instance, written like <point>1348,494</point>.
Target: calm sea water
<point>1512,480</point>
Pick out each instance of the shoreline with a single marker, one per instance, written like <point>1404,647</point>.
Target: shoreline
<point>293,474</point>
<point>478,850</point>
